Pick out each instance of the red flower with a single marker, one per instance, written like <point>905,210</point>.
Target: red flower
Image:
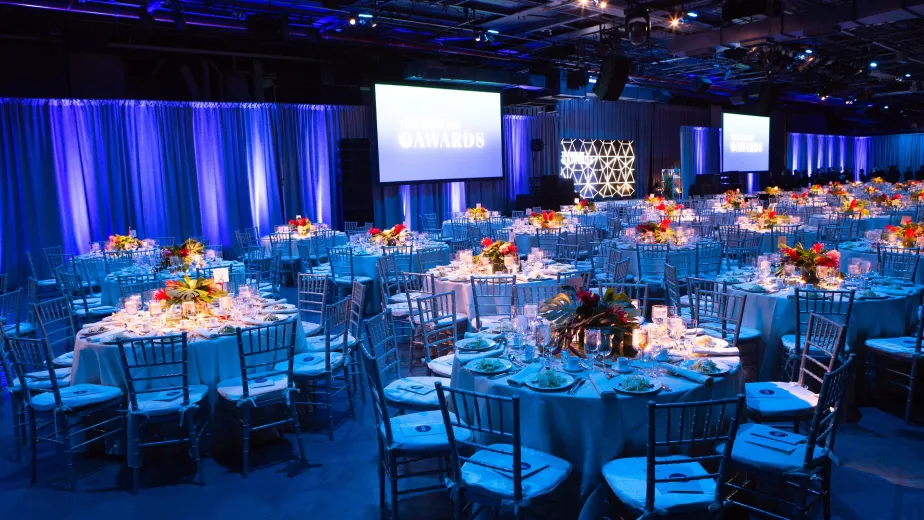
<point>818,247</point>
<point>183,252</point>
<point>896,196</point>
<point>679,207</point>
<point>661,207</point>
<point>509,249</point>
<point>583,203</point>
<point>909,233</point>
<point>303,222</point>
<point>891,229</point>
<point>771,214</point>
<point>665,224</point>
<point>535,215</point>
<point>588,298</point>
<point>805,195</point>
<point>161,295</point>
<point>486,242</point>
<point>853,204</point>
<point>795,196</point>
<point>375,231</point>
<point>292,222</point>
<point>824,261</point>
<point>398,228</point>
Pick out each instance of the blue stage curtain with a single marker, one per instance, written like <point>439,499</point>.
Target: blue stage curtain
<point>700,149</point>
<point>902,150</point>
<point>76,171</point>
<point>810,152</point>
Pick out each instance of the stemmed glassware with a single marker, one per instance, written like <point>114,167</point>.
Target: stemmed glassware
<point>604,349</point>
<point>591,345</point>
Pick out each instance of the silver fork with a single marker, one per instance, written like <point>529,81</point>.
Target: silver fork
<point>577,384</point>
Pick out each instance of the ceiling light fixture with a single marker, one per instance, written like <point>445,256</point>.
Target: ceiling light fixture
<point>907,74</point>
<point>693,14</point>
<point>675,22</point>
<point>809,51</point>
<point>352,19</point>
<point>873,64</point>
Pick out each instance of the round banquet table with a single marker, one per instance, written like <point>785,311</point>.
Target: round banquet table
<point>340,238</point>
<point>465,301</point>
<point>447,226</point>
<point>587,429</point>
<point>109,286</point>
<point>774,315</point>
<point>866,223</point>
<point>628,250</point>
<point>141,251</point>
<point>863,251</point>
<point>809,236</point>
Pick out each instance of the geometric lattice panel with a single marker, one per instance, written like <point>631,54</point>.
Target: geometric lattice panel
<point>600,168</point>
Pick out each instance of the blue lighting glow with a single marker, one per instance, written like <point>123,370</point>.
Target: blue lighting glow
<point>365,15</point>
<point>873,64</point>
<point>907,74</point>
<point>809,51</point>
<point>693,14</point>
<point>492,31</point>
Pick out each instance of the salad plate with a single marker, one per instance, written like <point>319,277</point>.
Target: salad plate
<point>489,366</point>
<point>706,366</point>
<point>636,385</point>
<point>474,344</point>
<point>547,380</point>
<point>709,342</point>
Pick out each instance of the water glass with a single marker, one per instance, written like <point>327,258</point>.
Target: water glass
<point>659,314</point>
<point>591,344</point>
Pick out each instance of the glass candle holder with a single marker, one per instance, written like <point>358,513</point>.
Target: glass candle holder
<point>189,309</point>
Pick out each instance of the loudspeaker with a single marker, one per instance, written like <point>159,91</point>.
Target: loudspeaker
<point>536,145</point>
<point>766,101</point>
<point>701,84</point>
<point>356,180</point>
<point>614,71</point>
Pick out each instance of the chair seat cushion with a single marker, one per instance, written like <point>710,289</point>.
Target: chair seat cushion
<point>627,478</point>
<point>345,280</point>
<point>492,481</point>
<point>77,396</point>
<point>153,403</point>
<point>64,360</point>
<point>402,392</point>
<point>25,328</point>
<point>402,297</point>
<point>233,389</point>
<point>312,364</point>
<point>769,399</point>
<point>750,449</point>
<point>895,347</point>
<point>41,381</point>
<point>399,310</point>
<point>310,329</point>
<point>422,431</point>
<point>50,282</point>
<point>319,343</point>
<point>789,344</point>
<point>745,335</point>
<point>442,366</point>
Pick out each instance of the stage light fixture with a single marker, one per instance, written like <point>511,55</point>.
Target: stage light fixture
<point>602,4</point>
<point>675,22</point>
<point>824,98</point>
<point>907,75</point>
<point>638,25</point>
<point>885,107</point>
<point>873,64</point>
<point>693,14</point>
<point>809,51</point>
<point>352,19</point>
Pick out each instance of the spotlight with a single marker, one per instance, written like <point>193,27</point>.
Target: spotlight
<point>478,35</point>
<point>885,107</point>
<point>809,51</point>
<point>907,74</point>
<point>602,4</point>
<point>583,2</point>
<point>873,64</point>
<point>638,25</point>
<point>352,19</point>
<point>824,98</point>
<point>693,14</point>
<point>675,22</point>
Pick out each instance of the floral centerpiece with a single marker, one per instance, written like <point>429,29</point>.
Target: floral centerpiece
<point>496,252</point>
<point>855,207</point>
<point>906,186</point>
<point>302,226</point>
<point>870,190</point>
<point>669,208</point>
<point>837,189</point>
<point>123,243</point>
<point>654,200</point>
<point>774,190</point>
<point>547,219</point>
<point>878,180</point>
<point>908,233</point>
<point>768,219</point>
<point>477,213</point>
<point>917,195</point>
<point>808,260</point>
<point>571,313</point>
<point>734,199</point>
<point>815,190</point>
<point>894,201</point>
<point>585,206</point>
<point>800,199</point>
<point>655,232</point>
<point>201,291</point>
<point>390,237</point>
<point>184,254</point>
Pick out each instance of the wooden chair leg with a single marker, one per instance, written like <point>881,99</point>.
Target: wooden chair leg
<point>826,490</point>
<point>63,420</point>
<point>293,410</point>
<point>328,390</point>
<point>383,505</point>
<point>245,460</point>
<point>33,441</point>
<point>393,478</point>
<point>911,387</point>
<point>193,441</point>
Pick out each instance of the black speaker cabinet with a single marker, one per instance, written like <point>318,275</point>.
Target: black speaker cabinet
<point>356,180</point>
<point>614,72</point>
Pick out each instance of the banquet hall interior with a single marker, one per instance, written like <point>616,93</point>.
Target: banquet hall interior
<point>459,259</point>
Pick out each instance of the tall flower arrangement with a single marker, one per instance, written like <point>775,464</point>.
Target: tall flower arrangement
<point>669,208</point>
<point>767,219</point>
<point>837,189</point>
<point>800,199</point>
<point>572,312</point>
<point>199,290</point>
<point>734,199</point>
<point>894,201</point>
<point>657,232</point>
<point>774,190</point>
<point>496,252</point>
<point>815,190</point>
<point>908,233</point>
<point>855,207</point>
<point>478,213</point>
<point>302,226</point>
<point>123,243</point>
<point>808,260</point>
<point>185,253</point>
<point>585,206</point>
<point>547,219</point>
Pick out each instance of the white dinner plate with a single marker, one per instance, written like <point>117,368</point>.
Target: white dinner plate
<point>707,341</point>
<point>723,367</point>
<point>567,381</point>
<point>477,367</point>
<point>469,344</point>
<point>620,380</point>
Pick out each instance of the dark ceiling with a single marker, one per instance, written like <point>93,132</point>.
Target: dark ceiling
<point>812,51</point>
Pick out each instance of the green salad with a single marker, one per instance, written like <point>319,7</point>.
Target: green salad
<point>271,318</point>
<point>635,384</point>
<point>478,344</point>
<point>280,306</point>
<point>549,379</point>
<point>488,365</point>
<point>227,329</point>
<point>705,366</point>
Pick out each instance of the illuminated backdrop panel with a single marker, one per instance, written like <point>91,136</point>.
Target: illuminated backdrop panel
<point>600,168</point>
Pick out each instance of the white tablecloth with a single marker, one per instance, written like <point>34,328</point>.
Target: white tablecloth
<point>588,430</point>
<point>774,315</point>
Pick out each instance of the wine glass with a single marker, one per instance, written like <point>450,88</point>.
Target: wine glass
<point>544,341</point>
<point>591,345</point>
<point>604,349</point>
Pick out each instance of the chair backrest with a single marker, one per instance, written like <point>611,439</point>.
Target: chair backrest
<point>824,336</point>
<point>824,421</point>
<point>164,241</point>
<point>341,262</point>
<point>155,364</point>
<point>834,305</point>
<point>32,363</point>
<point>373,370</point>
<point>313,295</point>
<point>246,238</point>
<point>532,293</point>
<point>402,255</point>
<point>428,258</point>
<point>387,270</point>
<point>115,260</point>
<point>547,239</point>
<point>261,348</point>
<point>567,253</point>
<point>486,417</point>
<point>651,260</point>
<point>139,284</point>
<point>708,258</point>
<point>791,232</point>
<point>671,286</point>
<point>719,312</point>
<point>381,342</point>
<point>336,328</point>
<point>11,312</point>
<point>72,287</point>
<point>898,262</point>
<point>620,271</point>
<point>55,258</point>
<point>694,428</point>
<point>350,227</point>
<point>635,291</point>
<point>438,327</point>
<point>493,296</point>
<point>357,303</point>
<point>56,321</point>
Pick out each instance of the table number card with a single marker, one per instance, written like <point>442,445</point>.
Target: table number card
<point>221,275</point>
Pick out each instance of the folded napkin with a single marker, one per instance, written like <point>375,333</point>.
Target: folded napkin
<point>892,291</point>
<point>106,336</point>
<point>253,321</point>
<point>716,351</point>
<point>207,333</point>
<point>602,385</point>
<point>267,303</point>
<point>688,374</point>
<point>519,379</point>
